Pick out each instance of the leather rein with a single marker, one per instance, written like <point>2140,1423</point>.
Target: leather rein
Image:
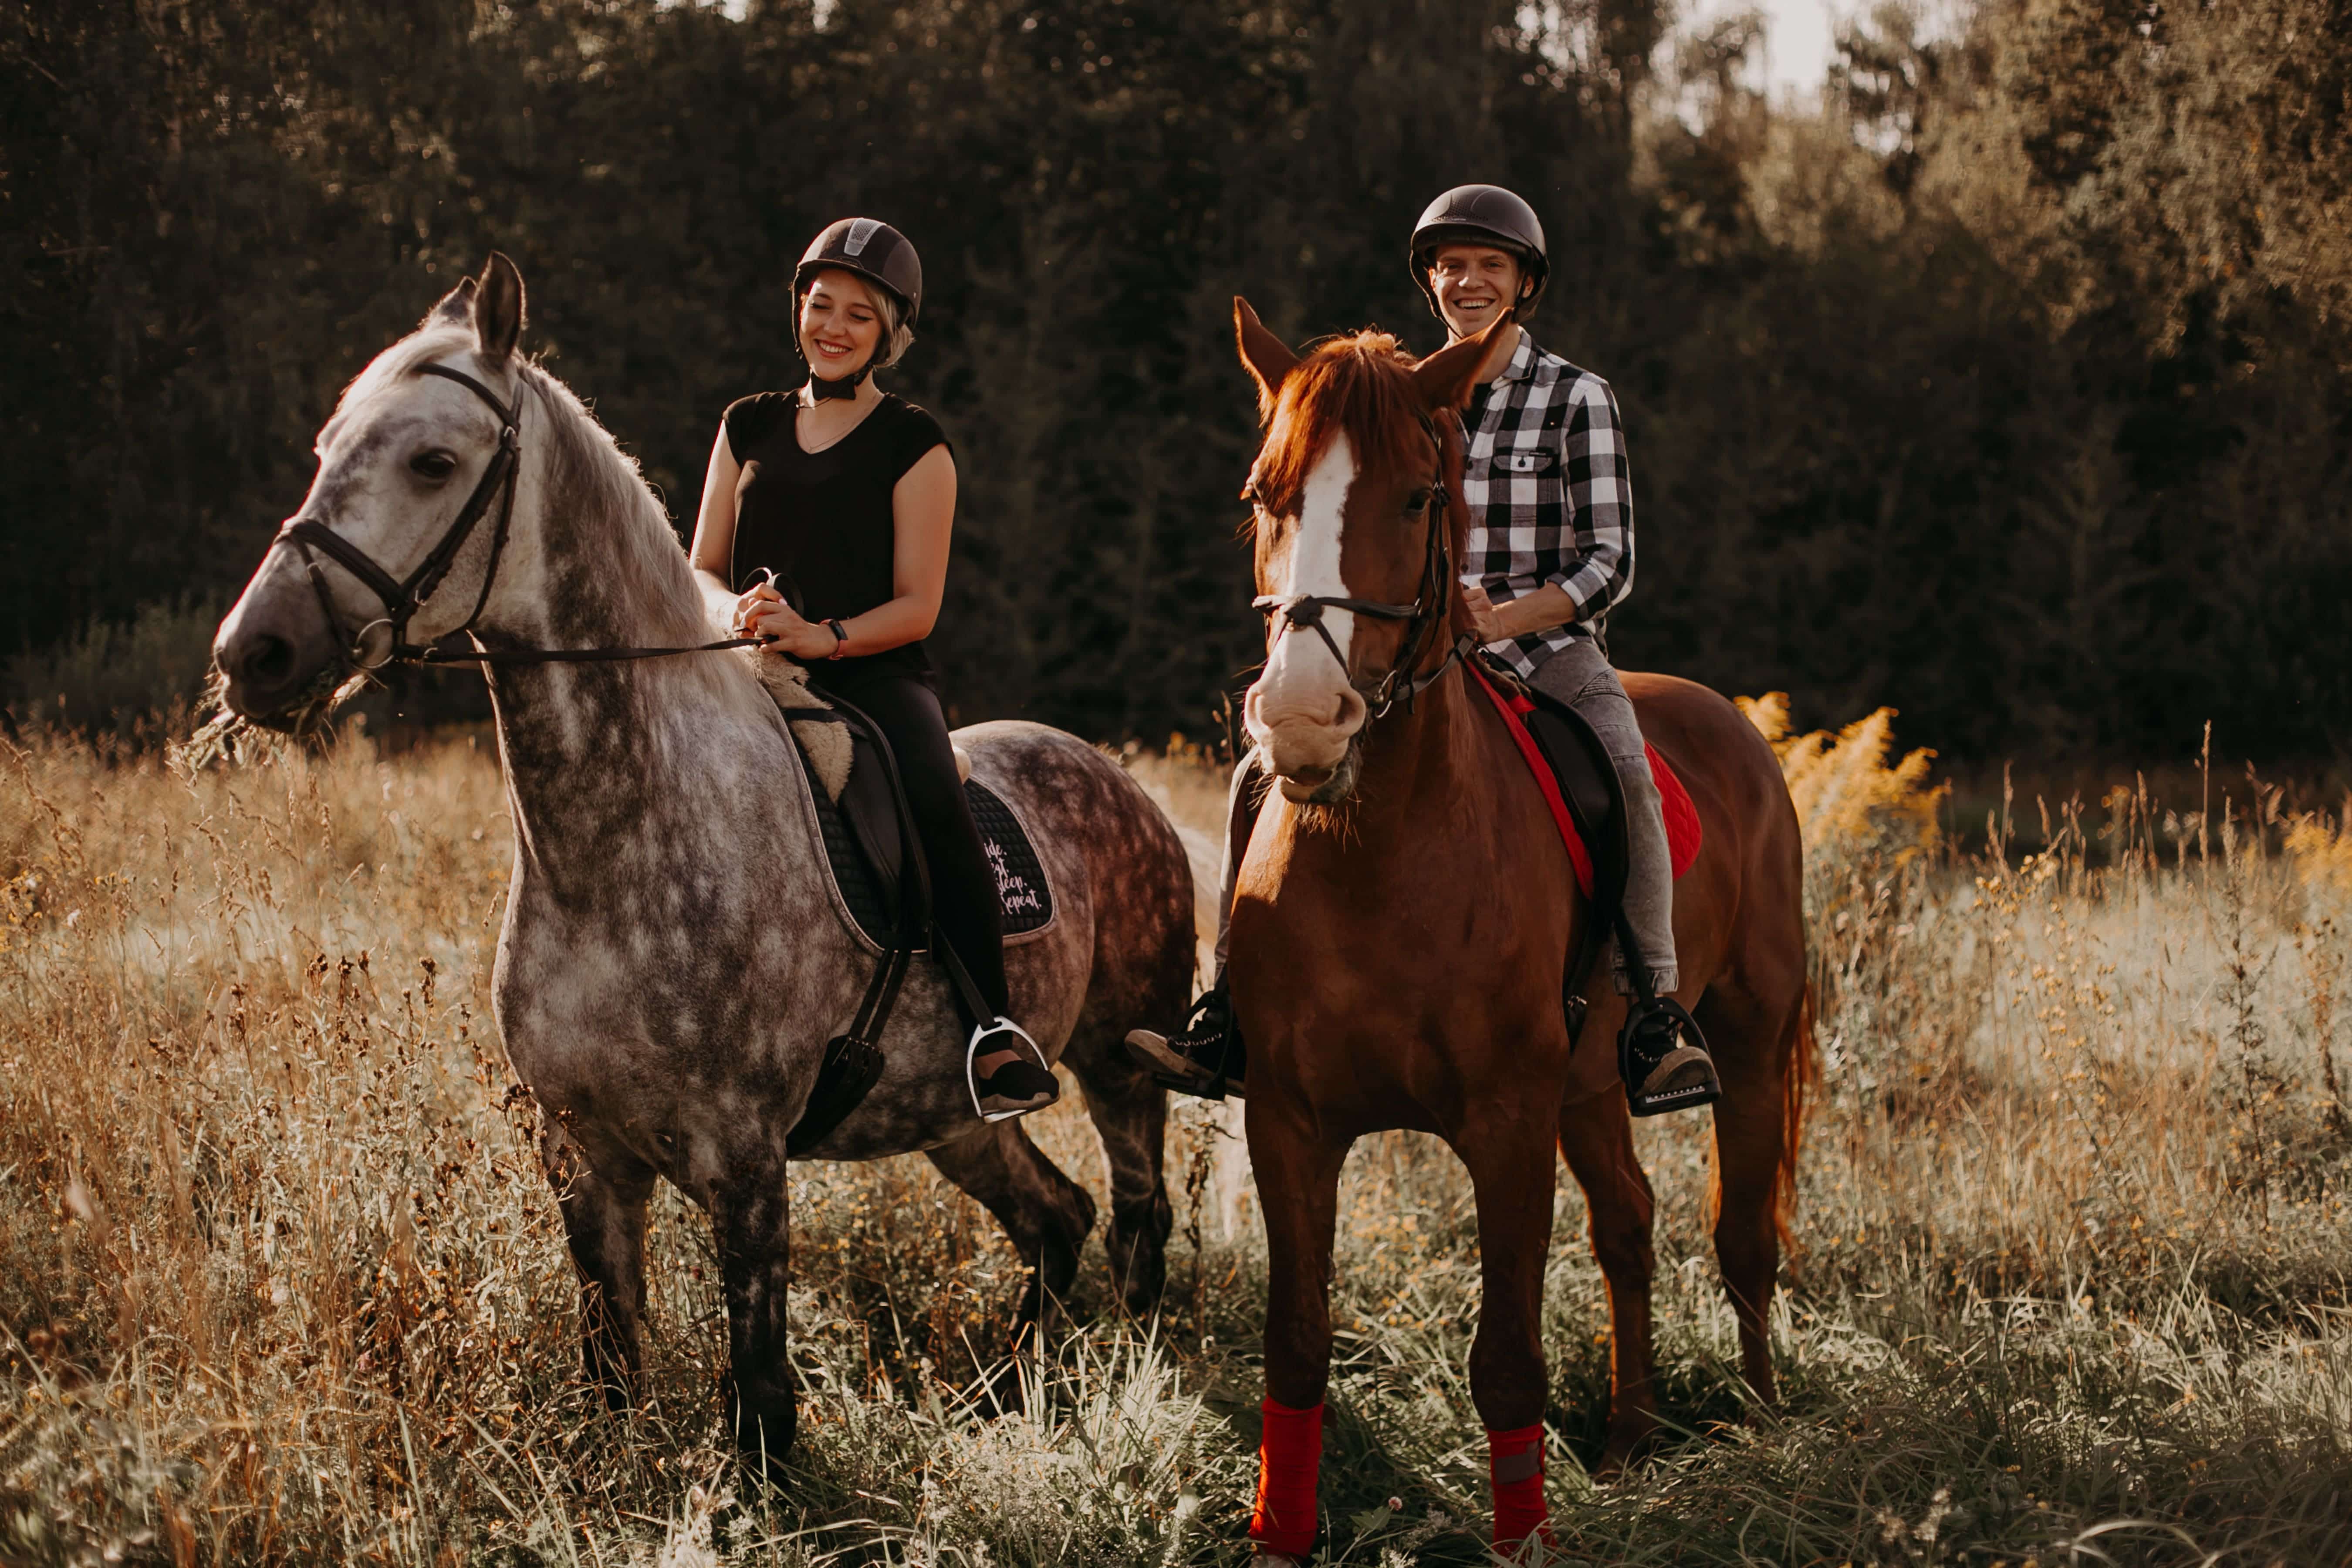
<point>1433,598</point>
<point>403,597</point>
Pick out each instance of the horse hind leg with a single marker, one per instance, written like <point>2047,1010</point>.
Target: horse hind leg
<point>1766,1056</point>
<point>1130,1117</point>
<point>1046,1213</point>
<point>603,1213</point>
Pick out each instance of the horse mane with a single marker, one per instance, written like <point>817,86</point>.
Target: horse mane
<point>1360,385</point>
<point>588,476</point>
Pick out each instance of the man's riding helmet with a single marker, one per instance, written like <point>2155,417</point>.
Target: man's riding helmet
<point>1480,215</point>
<point>882,256</point>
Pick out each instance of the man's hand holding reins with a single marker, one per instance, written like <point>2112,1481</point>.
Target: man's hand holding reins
<point>1546,607</point>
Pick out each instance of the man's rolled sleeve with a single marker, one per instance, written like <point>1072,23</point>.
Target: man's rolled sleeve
<point>1600,496</point>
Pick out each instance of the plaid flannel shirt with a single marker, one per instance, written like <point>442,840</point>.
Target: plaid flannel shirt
<point>1551,501</point>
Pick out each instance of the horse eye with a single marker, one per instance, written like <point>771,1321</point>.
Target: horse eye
<point>1416,503</point>
<point>432,465</point>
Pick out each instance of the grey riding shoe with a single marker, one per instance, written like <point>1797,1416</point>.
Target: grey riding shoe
<point>1663,1058</point>
<point>1204,1058</point>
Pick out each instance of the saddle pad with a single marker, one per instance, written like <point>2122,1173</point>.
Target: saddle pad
<point>1683,832</point>
<point>1022,889</point>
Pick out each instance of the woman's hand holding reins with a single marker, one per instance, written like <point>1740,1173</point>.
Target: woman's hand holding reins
<point>760,612</point>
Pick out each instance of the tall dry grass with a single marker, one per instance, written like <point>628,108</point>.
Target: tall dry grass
<point>285,1284</point>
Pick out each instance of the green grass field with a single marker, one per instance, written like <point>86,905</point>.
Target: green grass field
<point>283,1282</point>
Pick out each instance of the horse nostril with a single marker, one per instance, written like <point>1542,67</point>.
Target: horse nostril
<point>269,660</point>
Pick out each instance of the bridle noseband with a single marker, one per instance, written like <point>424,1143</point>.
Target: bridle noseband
<point>403,599</point>
<point>1427,612</point>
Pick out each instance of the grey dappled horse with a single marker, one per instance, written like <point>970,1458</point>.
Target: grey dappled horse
<point>673,959</point>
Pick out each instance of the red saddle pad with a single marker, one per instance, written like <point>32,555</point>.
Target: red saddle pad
<point>1683,833</point>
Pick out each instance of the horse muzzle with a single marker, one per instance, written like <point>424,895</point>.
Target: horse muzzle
<point>274,650</point>
<point>1307,737</point>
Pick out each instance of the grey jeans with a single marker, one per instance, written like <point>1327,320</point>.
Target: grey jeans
<point>1579,676</point>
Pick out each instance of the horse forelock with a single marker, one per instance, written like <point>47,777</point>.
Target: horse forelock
<point>1359,386</point>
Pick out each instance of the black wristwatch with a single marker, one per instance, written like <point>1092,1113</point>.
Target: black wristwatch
<point>840,640</point>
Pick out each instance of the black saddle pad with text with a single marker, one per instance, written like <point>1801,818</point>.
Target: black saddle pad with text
<point>1023,892</point>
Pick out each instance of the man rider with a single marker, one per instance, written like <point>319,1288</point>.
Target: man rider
<point>1549,553</point>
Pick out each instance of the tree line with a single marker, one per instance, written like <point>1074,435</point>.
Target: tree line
<point>2008,385</point>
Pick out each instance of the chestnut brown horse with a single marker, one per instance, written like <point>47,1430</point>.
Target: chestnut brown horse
<point>1404,913</point>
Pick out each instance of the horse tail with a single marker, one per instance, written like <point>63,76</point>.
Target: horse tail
<point>1800,1077</point>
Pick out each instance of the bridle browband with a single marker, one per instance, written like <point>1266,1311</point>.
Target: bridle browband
<point>1431,600</point>
<point>402,599</point>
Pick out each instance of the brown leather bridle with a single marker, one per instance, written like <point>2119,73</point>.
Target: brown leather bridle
<point>1432,601</point>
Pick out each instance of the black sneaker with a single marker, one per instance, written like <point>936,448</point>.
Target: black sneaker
<point>1663,1059</point>
<point>1016,1088</point>
<point>1204,1058</point>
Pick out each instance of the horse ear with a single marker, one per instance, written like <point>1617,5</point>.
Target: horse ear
<point>1443,377</point>
<point>1263,355</point>
<point>498,309</point>
<point>456,309</point>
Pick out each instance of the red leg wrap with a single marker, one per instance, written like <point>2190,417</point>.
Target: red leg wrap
<point>1517,1459</point>
<point>1288,1457</point>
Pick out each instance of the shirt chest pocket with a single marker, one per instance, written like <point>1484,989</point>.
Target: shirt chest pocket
<point>1521,465</point>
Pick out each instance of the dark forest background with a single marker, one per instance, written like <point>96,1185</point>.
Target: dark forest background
<point>2009,385</point>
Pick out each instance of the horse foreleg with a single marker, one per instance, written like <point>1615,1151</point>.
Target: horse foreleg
<point>751,1217</point>
<point>605,1226</point>
<point>1596,1136</point>
<point>1509,1156</point>
<point>1131,1116</point>
<point>1046,1215</point>
<point>1298,1172</point>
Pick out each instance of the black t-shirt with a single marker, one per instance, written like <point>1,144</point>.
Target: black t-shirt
<point>823,521</point>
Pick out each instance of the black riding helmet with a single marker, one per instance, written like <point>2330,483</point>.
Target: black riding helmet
<point>874,251</point>
<point>1480,215</point>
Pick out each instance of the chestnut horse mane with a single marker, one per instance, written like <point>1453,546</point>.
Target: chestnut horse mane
<point>1358,385</point>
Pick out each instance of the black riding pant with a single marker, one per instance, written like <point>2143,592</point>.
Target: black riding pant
<point>965,904</point>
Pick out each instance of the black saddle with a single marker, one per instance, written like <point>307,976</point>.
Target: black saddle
<point>867,852</point>
<point>1596,803</point>
<point>878,861</point>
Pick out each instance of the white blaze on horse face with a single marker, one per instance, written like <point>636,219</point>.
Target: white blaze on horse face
<point>1304,711</point>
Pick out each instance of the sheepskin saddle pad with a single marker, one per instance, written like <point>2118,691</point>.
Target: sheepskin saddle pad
<point>857,815</point>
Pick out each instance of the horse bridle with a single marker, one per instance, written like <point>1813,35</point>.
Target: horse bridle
<point>1436,584</point>
<point>403,597</point>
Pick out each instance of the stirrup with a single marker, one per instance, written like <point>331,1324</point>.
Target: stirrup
<point>1683,1078</point>
<point>1000,1024</point>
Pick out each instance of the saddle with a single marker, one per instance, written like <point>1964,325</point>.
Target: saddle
<point>875,856</point>
<point>1587,799</point>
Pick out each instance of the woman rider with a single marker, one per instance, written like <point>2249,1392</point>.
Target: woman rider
<point>825,525</point>
<point>1551,552</point>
